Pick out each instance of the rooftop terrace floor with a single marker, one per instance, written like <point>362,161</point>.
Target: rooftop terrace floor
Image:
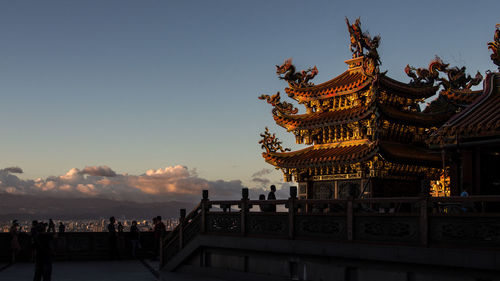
<point>95,270</point>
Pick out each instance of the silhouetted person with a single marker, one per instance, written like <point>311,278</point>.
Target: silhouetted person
<point>272,196</point>
<point>52,226</point>
<point>112,237</point>
<point>14,240</point>
<point>33,234</point>
<point>62,228</point>
<point>44,253</point>
<point>466,205</point>
<point>264,207</point>
<point>159,231</point>
<point>120,227</point>
<point>134,238</point>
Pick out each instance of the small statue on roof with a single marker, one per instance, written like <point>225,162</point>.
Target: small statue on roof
<point>459,80</point>
<point>282,107</point>
<point>455,79</point>
<point>296,79</point>
<point>495,46</point>
<point>362,40</point>
<point>426,76</point>
<point>271,143</point>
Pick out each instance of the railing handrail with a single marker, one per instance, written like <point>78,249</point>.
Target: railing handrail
<point>485,198</point>
<point>419,207</point>
<point>174,231</point>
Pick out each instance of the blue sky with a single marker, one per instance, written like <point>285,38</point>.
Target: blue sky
<point>139,85</point>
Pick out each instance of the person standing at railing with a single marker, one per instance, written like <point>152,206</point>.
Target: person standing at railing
<point>464,193</point>
<point>272,196</point>
<point>52,226</point>
<point>159,231</point>
<point>14,240</point>
<point>62,228</point>
<point>466,205</point>
<point>112,237</point>
<point>44,245</point>
<point>263,207</point>
<point>134,238</point>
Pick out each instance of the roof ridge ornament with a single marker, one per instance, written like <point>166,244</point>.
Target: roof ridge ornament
<point>456,78</point>
<point>282,107</point>
<point>296,79</point>
<point>426,76</point>
<point>362,40</point>
<point>271,143</point>
<point>495,46</point>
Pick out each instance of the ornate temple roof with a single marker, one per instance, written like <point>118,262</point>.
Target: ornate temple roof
<point>352,152</point>
<point>349,115</point>
<point>414,118</point>
<point>479,119</point>
<point>354,80</point>
<point>334,153</point>
<point>346,83</point>
<point>407,90</point>
<point>461,96</point>
<point>321,119</point>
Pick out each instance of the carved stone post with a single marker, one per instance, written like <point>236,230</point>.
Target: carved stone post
<point>424,222</point>
<point>244,209</point>
<point>291,212</point>
<point>204,208</point>
<point>181,226</point>
<point>350,219</point>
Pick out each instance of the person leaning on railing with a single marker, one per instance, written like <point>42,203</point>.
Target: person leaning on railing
<point>272,196</point>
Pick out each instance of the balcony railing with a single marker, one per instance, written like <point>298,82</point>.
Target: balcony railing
<point>460,222</point>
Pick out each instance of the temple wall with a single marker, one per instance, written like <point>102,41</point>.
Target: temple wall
<point>272,259</point>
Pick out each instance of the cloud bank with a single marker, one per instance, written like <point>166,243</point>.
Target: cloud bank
<point>173,183</point>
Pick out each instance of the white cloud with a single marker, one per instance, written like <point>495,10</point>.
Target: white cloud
<point>172,183</point>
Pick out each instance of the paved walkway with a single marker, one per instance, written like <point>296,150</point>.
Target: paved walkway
<point>128,270</point>
<point>132,270</point>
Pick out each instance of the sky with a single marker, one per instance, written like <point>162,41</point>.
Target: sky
<point>165,92</point>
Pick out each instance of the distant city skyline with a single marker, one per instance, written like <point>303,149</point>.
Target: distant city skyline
<point>155,100</point>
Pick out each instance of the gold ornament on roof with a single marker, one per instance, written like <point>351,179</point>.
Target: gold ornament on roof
<point>426,76</point>
<point>455,79</point>
<point>282,107</point>
<point>296,79</point>
<point>362,40</point>
<point>271,143</point>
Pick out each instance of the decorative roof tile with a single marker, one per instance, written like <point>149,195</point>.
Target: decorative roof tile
<point>407,90</point>
<point>323,119</point>
<point>479,119</point>
<point>415,118</point>
<point>322,155</point>
<point>462,96</point>
<point>347,82</point>
<point>354,152</point>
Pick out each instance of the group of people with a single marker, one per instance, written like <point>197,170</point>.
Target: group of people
<point>113,233</point>
<point>134,234</point>
<point>270,196</point>
<point>36,227</point>
<point>42,248</point>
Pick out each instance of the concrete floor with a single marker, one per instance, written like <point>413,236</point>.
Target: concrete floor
<point>92,270</point>
<point>128,270</point>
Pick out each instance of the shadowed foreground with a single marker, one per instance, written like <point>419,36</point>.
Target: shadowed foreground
<point>127,270</point>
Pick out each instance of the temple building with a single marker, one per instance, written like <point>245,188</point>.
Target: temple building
<point>470,140</point>
<point>366,134</point>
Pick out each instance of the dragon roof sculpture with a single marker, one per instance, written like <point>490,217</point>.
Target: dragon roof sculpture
<point>296,79</point>
<point>495,46</point>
